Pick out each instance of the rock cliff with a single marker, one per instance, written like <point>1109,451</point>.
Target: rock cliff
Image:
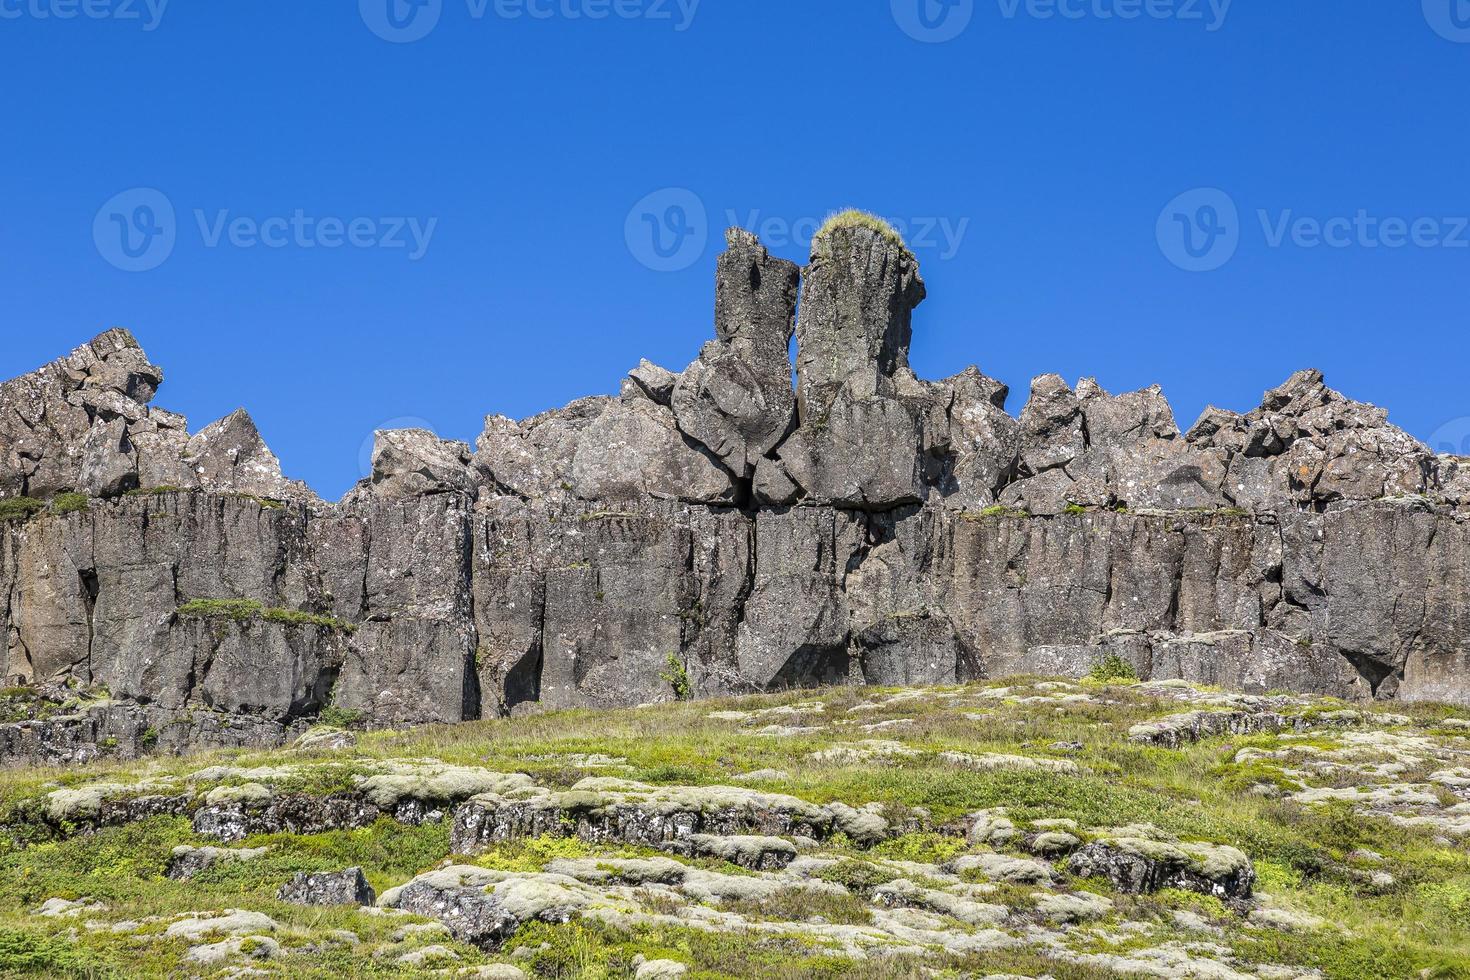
<point>715,531</point>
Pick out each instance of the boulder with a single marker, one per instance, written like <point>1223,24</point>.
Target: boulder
<point>416,463</point>
<point>635,450</point>
<point>74,414</point>
<point>347,887</point>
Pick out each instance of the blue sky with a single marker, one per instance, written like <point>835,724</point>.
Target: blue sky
<point>368,228</point>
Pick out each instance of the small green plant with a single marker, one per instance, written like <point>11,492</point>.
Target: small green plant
<point>856,875</point>
<point>24,952</point>
<point>266,503</point>
<point>334,716</point>
<point>677,677</point>
<point>149,738</point>
<point>240,610</point>
<point>1074,509</point>
<point>69,503</point>
<point>19,508</point>
<point>1112,668</point>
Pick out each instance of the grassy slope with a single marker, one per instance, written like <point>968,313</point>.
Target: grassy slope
<point>1302,855</point>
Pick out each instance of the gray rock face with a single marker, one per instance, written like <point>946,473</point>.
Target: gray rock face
<point>328,888</point>
<point>713,532</point>
<point>1145,866</point>
<point>737,399</point>
<point>856,319</point>
<point>230,454</point>
<point>48,418</point>
<point>410,463</point>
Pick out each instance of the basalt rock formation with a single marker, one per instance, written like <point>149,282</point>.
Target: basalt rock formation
<point>715,531</point>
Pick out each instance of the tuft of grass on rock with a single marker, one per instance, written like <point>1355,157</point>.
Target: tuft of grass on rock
<point>69,503</point>
<point>248,610</point>
<point>19,508</point>
<point>855,218</point>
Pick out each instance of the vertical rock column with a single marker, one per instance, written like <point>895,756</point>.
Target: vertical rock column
<point>856,316</point>
<point>858,441</point>
<point>737,399</point>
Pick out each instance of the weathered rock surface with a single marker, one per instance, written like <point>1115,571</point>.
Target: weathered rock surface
<point>328,888</point>
<point>186,861</point>
<point>708,819</point>
<point>715,531</point>
<point>1144,864</point>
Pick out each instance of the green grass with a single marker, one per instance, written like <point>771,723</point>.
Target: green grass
<point>19,508</point>
<point>154,491</point>
<point>1302,856</point>
<point>248,610</point>
<point>1112,668</point>
<point>69,503</point>
<point>854,218</point>
<point>993,512</point>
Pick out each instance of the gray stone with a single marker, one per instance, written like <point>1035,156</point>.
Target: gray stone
<point>328,888</point>
<point>230,456</point>
<point>416,463</point>
<point>737,399</point>
<point>855,321</point>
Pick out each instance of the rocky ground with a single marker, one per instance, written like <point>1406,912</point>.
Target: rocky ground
<point>1084,828</point>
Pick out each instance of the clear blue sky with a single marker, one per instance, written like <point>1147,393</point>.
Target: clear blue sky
<point>1056,144</point>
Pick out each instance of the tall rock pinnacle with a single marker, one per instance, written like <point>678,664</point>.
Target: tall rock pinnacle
<point>737,398</point>
<point>856,313</point>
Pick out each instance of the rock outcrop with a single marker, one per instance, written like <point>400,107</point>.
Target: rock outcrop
<point>714,531</point>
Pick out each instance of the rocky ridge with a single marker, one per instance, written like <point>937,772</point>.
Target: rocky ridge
<point>720,530</point>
